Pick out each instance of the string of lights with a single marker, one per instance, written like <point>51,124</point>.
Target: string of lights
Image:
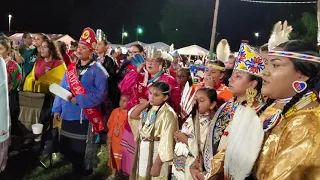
<point>280,2</point>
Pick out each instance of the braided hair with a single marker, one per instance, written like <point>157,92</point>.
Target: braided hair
<point>165,89</point>
<point>307,68</point>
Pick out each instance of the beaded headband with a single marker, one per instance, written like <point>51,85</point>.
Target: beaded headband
<point>216,67</point>
<point>294,55</point>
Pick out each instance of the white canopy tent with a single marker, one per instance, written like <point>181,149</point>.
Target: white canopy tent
<point>193,50</point>
<point>159,45</point>
<point>135,42</point>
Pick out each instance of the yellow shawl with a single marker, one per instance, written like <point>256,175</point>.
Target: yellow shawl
<point>41,85</point>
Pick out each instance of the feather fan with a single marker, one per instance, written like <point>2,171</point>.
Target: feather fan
<point>244,143</point>
<point>223,50</point>
<point>280,34</point>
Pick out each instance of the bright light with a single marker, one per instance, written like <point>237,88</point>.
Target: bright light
<point>125,34</point>
<point>140,31</point>
<point>256,34</point>
<point>10,16</point>
<point>177,29</point>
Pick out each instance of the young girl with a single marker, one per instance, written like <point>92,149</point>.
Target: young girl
<point>184,76</point>
<point>155,141</point>
<point>115,131</point>
<point>187,147</point>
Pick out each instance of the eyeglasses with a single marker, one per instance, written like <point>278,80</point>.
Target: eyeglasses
<point>152,60</point>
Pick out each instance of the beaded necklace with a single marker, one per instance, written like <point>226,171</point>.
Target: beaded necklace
<point>116,132</point>
<point>273,120</point>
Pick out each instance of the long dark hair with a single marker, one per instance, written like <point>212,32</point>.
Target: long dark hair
<point>165,89</point>
<point>212,95</point>
<point>138,46</point>
<point>63,47</point>
<point>188,73</point>
<point>307,68</point>
<point>53,50</point>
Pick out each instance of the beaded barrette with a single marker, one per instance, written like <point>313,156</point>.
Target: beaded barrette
<point>294,55</point>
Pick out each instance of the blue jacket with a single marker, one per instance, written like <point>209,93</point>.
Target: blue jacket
<point>95,83</point>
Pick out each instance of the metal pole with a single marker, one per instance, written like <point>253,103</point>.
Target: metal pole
<point>10,16</point>
<point>214,25</point>
<point>122,34</point>
<point>318,17</point>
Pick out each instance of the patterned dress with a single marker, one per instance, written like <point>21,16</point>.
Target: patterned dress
<point>185,154</point>
<point>14,74</point>
<point>216,129</point>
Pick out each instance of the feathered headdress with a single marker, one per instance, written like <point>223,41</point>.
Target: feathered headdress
<point>166,56</point>
<point>280,34</point>
<point>100,35</point>
<point>152,52</point>
<point>223,50</point>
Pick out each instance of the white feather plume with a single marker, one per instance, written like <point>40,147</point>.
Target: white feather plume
<point>280,34</point>
<point>223,50</point>
<point>171,48</point>
<point>244,143</point>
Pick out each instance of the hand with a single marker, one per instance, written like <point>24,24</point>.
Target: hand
<point>15,46</point>
<point>194,170</point>
<point>140,67</point>
<point>180,137</point>
<point>209,82</point>
<point>155,170</point>
<point>72,99</point>
<point>143,101</point>
<point>200,176</point>
<point>56,116</point>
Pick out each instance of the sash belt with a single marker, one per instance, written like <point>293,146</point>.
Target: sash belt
<point>151,139</point>
<point>73,136</point>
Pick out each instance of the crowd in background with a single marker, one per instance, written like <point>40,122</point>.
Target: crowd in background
<point>162,116</point>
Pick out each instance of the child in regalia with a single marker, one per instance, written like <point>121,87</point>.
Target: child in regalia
<point>155,142</point>
<point>116,123</point>
<point>190,143</point>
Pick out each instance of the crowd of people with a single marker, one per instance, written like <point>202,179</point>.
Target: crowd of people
<point>250,116</point>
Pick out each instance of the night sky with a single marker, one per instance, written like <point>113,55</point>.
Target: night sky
<point>193,18</point>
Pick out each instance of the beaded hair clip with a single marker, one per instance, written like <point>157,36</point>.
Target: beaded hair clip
<point>294,55</point>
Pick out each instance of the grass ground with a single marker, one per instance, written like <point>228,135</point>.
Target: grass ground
<point>61,170</point>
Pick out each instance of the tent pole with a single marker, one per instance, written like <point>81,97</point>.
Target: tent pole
<point>214,26</point>
<point>318,17</point>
